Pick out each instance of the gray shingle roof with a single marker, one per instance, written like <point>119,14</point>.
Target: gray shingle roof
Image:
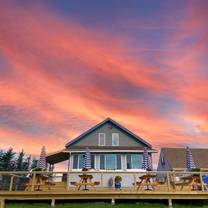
<point>176,157</point>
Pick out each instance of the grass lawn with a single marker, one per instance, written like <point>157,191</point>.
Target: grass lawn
<point>187,204</point>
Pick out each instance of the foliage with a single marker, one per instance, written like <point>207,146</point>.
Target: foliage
<point>10,161</point>
<point>118,179</point>
<point>7,160</point>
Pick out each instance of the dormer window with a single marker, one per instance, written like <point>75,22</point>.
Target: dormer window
<point>115,139</point>
<point>101,139</point>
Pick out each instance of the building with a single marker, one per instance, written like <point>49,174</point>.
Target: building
<point>175,159</point>
<point>112,147</point>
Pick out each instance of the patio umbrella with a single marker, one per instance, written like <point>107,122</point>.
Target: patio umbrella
<point>42,160</point>
<point>147,162</point>
<point>189,159</point>
<point>87,159</point>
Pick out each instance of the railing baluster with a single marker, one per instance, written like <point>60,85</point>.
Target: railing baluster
<point>33,182</point>
<point>11,183</point>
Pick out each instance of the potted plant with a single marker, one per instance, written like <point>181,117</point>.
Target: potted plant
<point>118,180</point>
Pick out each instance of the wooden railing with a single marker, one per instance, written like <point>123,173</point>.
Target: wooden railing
<point>136,181</point>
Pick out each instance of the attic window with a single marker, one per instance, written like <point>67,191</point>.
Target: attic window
<point>115,139</point>
<point>101,139</point>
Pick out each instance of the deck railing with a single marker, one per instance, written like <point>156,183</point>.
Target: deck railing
<point>104,180</point>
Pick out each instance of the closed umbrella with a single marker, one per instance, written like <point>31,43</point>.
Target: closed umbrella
<point>190,164</point>
<point>87,159</point>
<point>42,160</point>
<point>147,162</point>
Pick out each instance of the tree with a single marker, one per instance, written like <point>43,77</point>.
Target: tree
<point>34,163</point>
<point>20,161</point>
<point>8,163</point>
<point>1,155</point>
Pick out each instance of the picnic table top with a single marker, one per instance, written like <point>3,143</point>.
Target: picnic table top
<point>147,176</point>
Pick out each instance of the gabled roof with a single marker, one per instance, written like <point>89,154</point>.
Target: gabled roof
<point>109,120</point>
<point>176,157</point>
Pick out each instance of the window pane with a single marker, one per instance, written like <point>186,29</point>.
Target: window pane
<point>102,162</point>
<point>118,162</point>
<point>110,161</point>
<point>115,139</point>
<point>128,158</point>
<point>81,158</point>
<point>75,161</point>
<point>92,161</point>
<point>136,160</point>
<point>101,138</point>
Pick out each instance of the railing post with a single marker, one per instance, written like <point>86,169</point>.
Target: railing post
<point>33,181</point>
<point>101,178</point>
<point>67,185</point>
<point>168,180</point>
<point>201,180</point>
<point>134,181</point>
<point>11,183</point>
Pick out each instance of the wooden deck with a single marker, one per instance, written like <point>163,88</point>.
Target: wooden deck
<point>62,191</point>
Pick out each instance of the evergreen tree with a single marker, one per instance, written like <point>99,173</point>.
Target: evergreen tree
<point>20,161</point>
<point>34,163</point>
<point>27,164</point>
<point>8,163</point>
<point>1,155</point>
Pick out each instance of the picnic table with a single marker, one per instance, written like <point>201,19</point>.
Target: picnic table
<point>40,181</point>
<point>193,181</point>
<point>85,180</point>
<point>146,181</point>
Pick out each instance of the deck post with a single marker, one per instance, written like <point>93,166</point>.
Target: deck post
<point>33,182</point>
<point>11,183</point>
<point>201,180</point>
<point>53,202</point>
<point>113,202</point>
<point>67,181</point>
<point>170,204</point>
<point>168,180</point>
<point>2,203</point>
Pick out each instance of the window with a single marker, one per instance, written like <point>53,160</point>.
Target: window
<point>134,161</point>
<point>115,139</point>
<point>110,162</point>
<point>101,138</point>
<point>78,161</point>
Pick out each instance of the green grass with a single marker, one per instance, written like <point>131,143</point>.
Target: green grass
<point>187,204</point>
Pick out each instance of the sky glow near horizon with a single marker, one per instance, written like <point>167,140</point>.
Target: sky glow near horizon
<point>67,65</point>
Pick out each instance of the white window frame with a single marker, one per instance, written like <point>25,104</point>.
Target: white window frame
<point>115,163</point>
<point>115,138</point>
<point>99,139</point>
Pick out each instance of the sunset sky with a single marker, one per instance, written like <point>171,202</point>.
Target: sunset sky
<point>66,65</point>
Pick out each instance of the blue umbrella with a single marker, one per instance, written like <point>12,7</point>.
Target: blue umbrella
<point>87,159</point>
<point>189,159</point>
<point>147,162</point>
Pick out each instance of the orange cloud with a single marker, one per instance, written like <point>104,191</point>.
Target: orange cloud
<point>63,78</point>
